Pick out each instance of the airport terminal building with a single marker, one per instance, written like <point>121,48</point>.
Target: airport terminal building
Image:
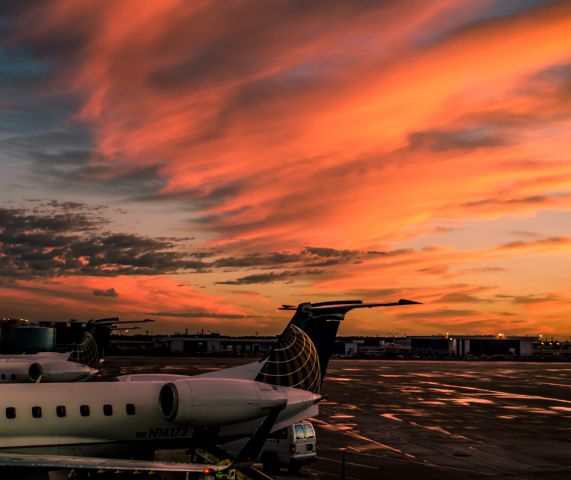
<point>218,344</point>
<point>437,346</point>
<point>18,336</point>
<point>463,346</point>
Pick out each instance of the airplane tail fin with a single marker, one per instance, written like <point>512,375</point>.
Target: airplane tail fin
<point>302,353</point>
<point>86,352</point>
<point>95,339</point>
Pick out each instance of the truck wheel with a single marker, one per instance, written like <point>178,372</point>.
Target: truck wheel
<point>270,463</point>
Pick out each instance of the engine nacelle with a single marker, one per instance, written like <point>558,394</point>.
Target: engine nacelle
<point>44,367</point>
<point>62,371</point>
<point>35,371</point>
<point>14,370</point>
<point>217,401</point>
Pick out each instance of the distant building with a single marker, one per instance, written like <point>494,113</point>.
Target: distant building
<point>34,338</point>
<point>134,345</point>
<point>471,345</point>
<point>431,346</point>
<point>21,336</point>
<point>217,344</point>
<point>373,347</point>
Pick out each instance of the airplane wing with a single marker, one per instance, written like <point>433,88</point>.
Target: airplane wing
<point>94,463</point>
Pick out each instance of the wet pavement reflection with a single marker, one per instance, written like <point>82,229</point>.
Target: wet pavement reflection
<point>449,419</point>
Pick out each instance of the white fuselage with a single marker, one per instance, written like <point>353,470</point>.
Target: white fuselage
<point>44,367</point>
<point>117,419</point>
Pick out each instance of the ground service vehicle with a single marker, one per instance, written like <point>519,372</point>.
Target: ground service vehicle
<point>291,447</point>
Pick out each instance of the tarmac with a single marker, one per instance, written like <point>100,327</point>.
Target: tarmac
<point>425,419</point>
<point>445,420</point>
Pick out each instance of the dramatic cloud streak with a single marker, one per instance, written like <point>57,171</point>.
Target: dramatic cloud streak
<point>320,148</point>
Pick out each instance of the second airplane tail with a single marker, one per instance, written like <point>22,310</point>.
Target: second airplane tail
<point>95,338</point>
<point>86,352</point>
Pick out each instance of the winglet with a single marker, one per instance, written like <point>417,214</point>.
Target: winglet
<point>402,301</point>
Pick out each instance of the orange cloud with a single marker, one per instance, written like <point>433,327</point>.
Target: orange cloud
<point>257,138</point>
<point>136,297</point>
<point>339,125</point>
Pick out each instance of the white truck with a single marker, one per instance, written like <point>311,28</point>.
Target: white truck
<point>291,447</point>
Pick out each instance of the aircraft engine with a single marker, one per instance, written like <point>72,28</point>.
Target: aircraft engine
<point>217,401</point>
<point>35,371</point>
<point>13,370</point>
<point>43,370</point>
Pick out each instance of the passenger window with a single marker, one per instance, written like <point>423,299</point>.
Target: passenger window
<point>107,410</point>
<point>60,411</point>
<point>84,410</point>
<point>3,376</point>
<point>13,376</point>
<point>309,432</point>
<point>37,412</point>
<point>299,432</point>
<point>130,409</point>
<point>10,412</point>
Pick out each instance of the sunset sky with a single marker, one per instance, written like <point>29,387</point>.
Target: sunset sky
<point>202,163</point>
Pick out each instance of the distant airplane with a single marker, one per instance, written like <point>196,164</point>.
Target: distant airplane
<point>92,425</point>
<point>79,364</point>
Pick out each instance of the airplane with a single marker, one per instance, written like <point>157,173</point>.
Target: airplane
<point>119,425</point>
<point>79,364</point>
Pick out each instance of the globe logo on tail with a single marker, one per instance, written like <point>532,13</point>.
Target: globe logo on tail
<point>294,362</point>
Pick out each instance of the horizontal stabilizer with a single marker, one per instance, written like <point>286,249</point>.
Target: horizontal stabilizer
<point>287,307</point>
<point>346,305</point>
<point>342,308</point>
<point>338,302</point>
